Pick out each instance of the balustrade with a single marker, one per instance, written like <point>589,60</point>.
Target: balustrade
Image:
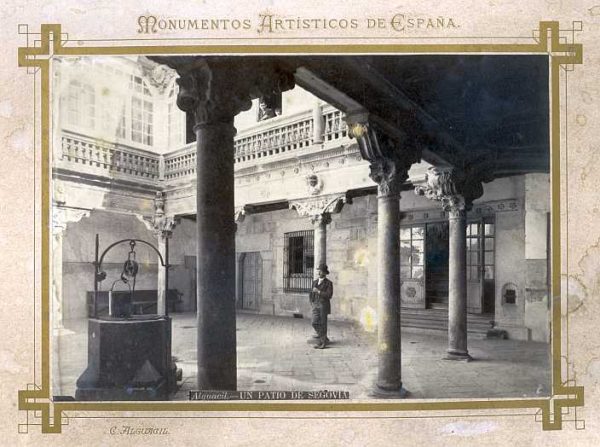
<point>108,157</point>
<point>282,135</point>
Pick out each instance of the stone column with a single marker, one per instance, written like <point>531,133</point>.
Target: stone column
<point>457,283</point>
<point>456,190</point>
<point>320,222</point>
<point>215,254</point>
<point>162,226</point>
<point>318,123</point>
<point>213,90</point>
<point>390,161</point>
<point>161,167</point>
<point>383,172</point>
<point>161,283</point>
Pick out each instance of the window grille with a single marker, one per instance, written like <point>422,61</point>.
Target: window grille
<point>298,261</point>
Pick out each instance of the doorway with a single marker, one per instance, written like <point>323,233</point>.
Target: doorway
<point>436,264</point>
<point>251,273</point>
<point>481,266</point>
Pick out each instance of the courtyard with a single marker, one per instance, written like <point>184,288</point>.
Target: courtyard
<point>276,353</point>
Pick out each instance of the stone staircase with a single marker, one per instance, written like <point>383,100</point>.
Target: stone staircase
<point>436,321</point>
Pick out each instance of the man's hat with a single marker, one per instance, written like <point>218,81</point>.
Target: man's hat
<point>323,268</point>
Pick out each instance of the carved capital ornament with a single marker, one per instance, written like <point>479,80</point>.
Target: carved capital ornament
<point>390,159</point>
<point>319,209</point>
<point>453,188</point>
<point>214,89</point>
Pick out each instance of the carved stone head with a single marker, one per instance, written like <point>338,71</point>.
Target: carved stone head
<point>314,184</point>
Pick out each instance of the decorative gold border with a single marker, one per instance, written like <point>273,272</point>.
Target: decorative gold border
<point>561,54</point>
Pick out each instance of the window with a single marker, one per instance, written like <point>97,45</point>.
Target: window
<point>412,252</point>
<point>138,85</point>
<point>488,251</point>
<point>473,252</point>
<point>141,121</point>
<point>81,105</point>
<point>298,261</point>
<point>175,120</point>
<point>142,111</point>
<point>480,250</point>
<point>122,124</point>
<point>111,113</point>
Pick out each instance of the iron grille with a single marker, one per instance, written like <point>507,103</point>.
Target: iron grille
<point>298,261</point>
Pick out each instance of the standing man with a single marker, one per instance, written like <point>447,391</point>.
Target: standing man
<point>322,290</point>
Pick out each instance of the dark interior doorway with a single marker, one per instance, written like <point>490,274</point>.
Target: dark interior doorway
<point>436,264</point>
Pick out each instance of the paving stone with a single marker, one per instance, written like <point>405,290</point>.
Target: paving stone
<point>273,354</point>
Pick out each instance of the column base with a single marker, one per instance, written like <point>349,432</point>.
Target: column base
<point>458,355</point>
<point>388,393</point>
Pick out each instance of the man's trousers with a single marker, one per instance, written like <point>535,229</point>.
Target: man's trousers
<point>319,320</point>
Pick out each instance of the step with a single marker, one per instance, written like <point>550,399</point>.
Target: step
<point>431,314</point>
<point>442,324</point>
<point>436,320</point>
<point>474,325</point>
<point>441,332</point>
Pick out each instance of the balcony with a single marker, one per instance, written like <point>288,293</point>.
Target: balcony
<point>273,140</point>
<point>280,138</point>
<point>85,155</point>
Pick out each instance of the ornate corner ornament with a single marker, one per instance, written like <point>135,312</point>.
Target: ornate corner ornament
<point>161,224</point>
<point>37,397</point>
<point>159,76</point>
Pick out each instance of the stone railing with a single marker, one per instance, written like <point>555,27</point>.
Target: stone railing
<point>274,137</point>
<point>181,163</point>
<point>81,153</point>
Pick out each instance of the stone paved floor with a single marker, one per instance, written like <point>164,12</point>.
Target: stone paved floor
<point>276,353</point>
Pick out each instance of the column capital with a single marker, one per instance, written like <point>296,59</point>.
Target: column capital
<point>389,179</point>
<point>320,219</point>
<point>316,207</point>
<point>455,189</point>
<point>390,158</point>
<point>163,226</point>
<point>215,89</point>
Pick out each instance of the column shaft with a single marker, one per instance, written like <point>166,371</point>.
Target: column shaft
<point>457,285</point>
<point>388,293</point>
<point>320,244</point>
<point>216,343</point>
<point>162,278</point>
<point>318,124</point>
<point>57,278</point>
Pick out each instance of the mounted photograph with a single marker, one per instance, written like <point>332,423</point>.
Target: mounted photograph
<point>313,226</point>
